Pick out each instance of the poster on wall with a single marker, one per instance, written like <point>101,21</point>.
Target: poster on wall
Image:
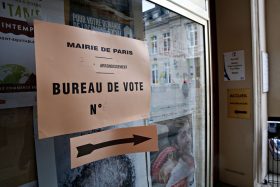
<point>17,60</point>
<point>100,78</point>
<point>113,17</point>
<point>234,67</point>
<point>174,163</point>
<point>239,103</point>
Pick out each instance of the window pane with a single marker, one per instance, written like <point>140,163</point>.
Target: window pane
<point>178,100</point>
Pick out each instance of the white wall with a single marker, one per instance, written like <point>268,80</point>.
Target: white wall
<point>233,22</point>
<point>273,48</point>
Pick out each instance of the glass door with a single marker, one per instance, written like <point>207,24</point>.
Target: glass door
<point>177,42</point>
<point>178,106</point>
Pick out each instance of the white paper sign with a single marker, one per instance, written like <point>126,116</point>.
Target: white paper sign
<point>234,69</point>
<point>265,83</point>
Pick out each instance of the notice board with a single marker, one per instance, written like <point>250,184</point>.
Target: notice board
<point>88,80</point>
<point>234,69</point>
<point>239,103</point>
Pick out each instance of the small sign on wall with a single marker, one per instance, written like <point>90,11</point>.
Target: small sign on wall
<point>239,103</point>
<point>234,69</point>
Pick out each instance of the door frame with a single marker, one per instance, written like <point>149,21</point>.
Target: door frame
<point>260,97</point>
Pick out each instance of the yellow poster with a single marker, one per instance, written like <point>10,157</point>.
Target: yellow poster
<point>93,147</point>
<point>88,80</point>
<point>239,103</point>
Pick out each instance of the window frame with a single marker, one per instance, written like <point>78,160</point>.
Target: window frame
<point>167,73</point>
<point>154,44</point>
<point>155,75</point>
<point>166,42</point>
<point>192,35</point>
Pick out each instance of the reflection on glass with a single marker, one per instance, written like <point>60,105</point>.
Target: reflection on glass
<point>176,48</point>
<point>112,17</point>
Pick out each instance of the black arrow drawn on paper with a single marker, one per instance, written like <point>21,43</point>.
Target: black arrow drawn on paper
<point>88,148</point>
<point>240,112</point>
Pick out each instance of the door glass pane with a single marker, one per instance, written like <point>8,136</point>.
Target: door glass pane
<point>177,64</point>
<point>178,96</point>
